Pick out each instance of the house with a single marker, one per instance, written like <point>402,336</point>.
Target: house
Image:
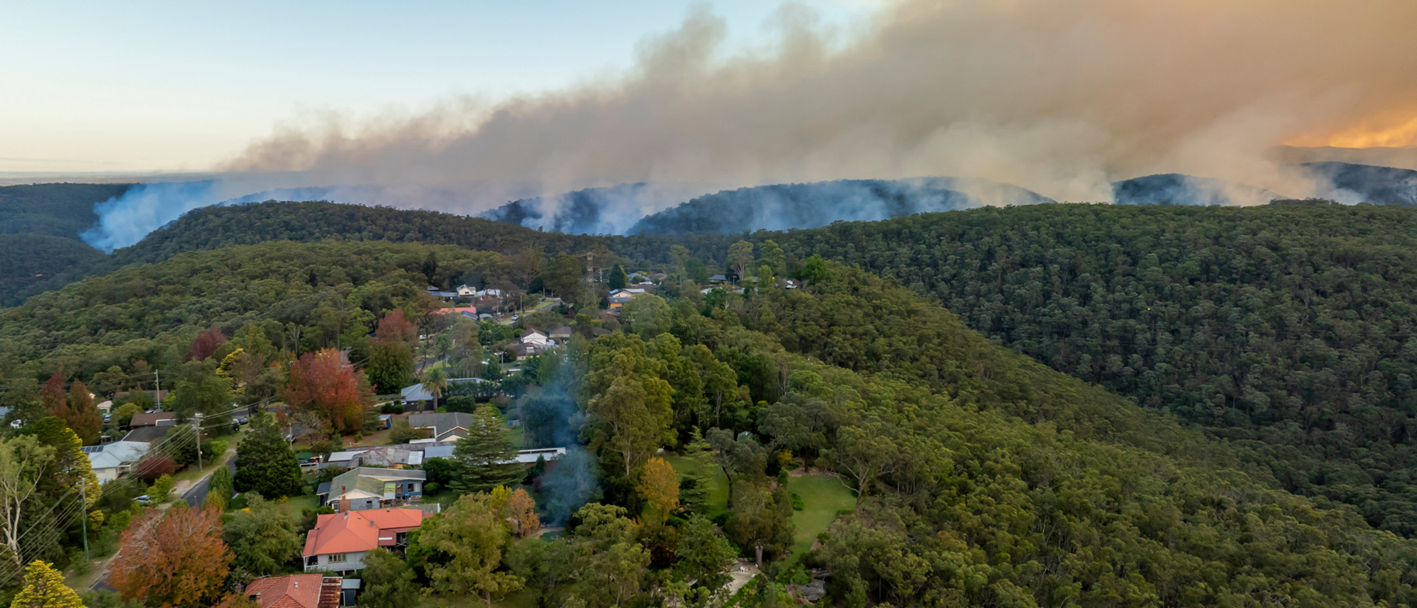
<point>339,541</point>
<point>146,434</point>
<point>153,419</point>
<point>105,408</point>
<point>366,488</point>
<point>600,331</point>
<point>469,312</point>
<point>562,333</point>
<point>445,427</point>
<point>620,299</point>
<point>386,456</point>
<point>466,292</point>
<point>718,278</point>
<point>299,591</point>
<point>524,350</point>
<point>488,293</point>
<point>111,460</point>
<point>438,293</point>
<point>416,396</point>
<point>532,336</point>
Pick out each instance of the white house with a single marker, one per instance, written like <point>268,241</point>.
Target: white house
<point>111,460</point>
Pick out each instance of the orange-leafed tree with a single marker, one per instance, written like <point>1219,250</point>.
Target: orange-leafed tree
<point>75,408</point>
<point>206,344</point>
<point>174,559</point>
<point>659,486</point>
<point>390,366</point>
<point>325,383</point>
<point>518,509</point>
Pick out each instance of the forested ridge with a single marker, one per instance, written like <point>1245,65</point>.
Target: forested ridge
<point>1286,328</point>
<point>39,227</point>
<point>1290,325</point>
<point>984,478</point>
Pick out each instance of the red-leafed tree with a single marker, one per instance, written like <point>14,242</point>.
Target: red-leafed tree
<point>390,366</point>
<point>325,383</point>
<point>153,467</point>
<point>174,559</point>
<point>75,408</point>
<point>206,344</point>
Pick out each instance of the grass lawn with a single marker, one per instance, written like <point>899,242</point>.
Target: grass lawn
<point>521,599</point>
<point>717,500</point>
<point>518,438</point>
<point>823,497</point>
<point>376,438</point>
<point>296,504</point>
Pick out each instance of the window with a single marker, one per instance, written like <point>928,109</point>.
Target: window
<point>336,558</point>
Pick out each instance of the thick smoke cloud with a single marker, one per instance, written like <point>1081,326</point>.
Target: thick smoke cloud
<point>1058,96</point>
<point>1061,97</point>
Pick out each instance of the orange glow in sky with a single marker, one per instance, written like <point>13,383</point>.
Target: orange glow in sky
<point>1389,135</point>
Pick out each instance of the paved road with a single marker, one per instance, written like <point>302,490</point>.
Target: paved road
<point>198,492</point>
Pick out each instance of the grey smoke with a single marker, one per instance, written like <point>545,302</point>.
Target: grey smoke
<point>791,206</point>
<point>550,417</point>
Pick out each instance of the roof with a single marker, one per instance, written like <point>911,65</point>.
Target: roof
<point>600,331</point>
<point>531,332</point>
<point>296,591</point>
<point>415,392</point>
<point>440,423</point>
<point>530,456</point>
<point>369,480</point>
<point>359,530</point>
<point>438,451</point>
<point>147,434</point>
<point>564,330</point>
<point>146,419</point>
<point>117,453</point>
<point>461,309</point>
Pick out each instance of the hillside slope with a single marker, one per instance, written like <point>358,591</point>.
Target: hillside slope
<point>809,205</point>
<point>40,227</point>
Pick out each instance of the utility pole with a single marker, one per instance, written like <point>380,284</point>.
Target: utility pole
<point>158,393</point>
<point>84,516</point>
<point>197,429</point>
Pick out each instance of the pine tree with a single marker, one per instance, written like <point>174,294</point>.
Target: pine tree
<point>264,461</point>
<point>44,588</point>
<point>486,456</point>
<point>617,278</point>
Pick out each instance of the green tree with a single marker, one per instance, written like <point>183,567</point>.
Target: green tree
<point>265,463</point>
<point>486,456</point>
<point>617,278</point>
<point>44,588</point>
<point>762,522</point>
<point>740,257</point>
<point>200,389</point>
<point>772,256</point>
<point>220,488</point>
<point>124,414</point>
<point>70,466</point>
<point>24,464</point>
<point>263,537</point>
<point>387,581</point>
<point>814,270</point>
<point>563,275</point>
<point>703,554</point>
<point>740,458</point>
<point>648,315</point>
<point>435,381</point>
<point>613,566</point>
<point>468,542</point>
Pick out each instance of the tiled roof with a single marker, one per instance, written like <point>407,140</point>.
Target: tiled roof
<point>296,591</point>
<point>147,434</point>
<point>354,531</point>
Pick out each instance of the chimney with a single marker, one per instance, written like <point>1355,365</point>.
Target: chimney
<point>344,506</point>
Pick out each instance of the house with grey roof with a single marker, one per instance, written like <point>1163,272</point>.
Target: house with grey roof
<point>445,427</point>
<point>373,488</point>
<point>111,460</point>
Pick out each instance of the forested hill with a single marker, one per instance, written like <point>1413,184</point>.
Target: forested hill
<point>39,227</point>
<point>986,479</point>
<point>809,205</point>
<point>1291,325</point>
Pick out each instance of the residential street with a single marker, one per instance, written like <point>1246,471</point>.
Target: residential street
<point>198,491</point>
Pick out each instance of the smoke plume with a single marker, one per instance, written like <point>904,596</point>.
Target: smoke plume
<point>1061,97</point>
<point>1057,96</point>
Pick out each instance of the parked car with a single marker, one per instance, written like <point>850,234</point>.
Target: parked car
<point>143,500</point>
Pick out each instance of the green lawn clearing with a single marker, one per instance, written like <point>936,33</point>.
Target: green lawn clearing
<point>823,497</point>
<point>717,500</point>
<point>295,505</point>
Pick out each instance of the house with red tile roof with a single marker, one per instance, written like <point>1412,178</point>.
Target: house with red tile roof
<point>296,591</point>
<point>339,540</point>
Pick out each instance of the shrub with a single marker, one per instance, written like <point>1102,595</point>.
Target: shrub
<point>432,487</point>
<point>797,504</point>
<point>161,488</point>
<point>403,433</point>
<point>153,467</point>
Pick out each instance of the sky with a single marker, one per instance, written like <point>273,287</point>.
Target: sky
<point>183,86</point>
